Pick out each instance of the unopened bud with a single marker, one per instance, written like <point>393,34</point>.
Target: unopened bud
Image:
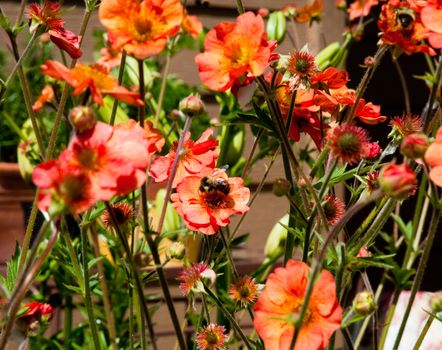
<point>436,302</point>
<point>176,251</point>
<point>363,303</point>
<point>281,187</point>
<point>414,146</point>
<point>192,105</point>
<point>82,118</point>
<point>397,180</point>
<point>175,115</point>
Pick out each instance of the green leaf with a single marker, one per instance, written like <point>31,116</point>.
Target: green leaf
<point>74,289</point>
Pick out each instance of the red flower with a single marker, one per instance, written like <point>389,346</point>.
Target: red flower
<point>63,188</point>
<point>349,143</point>
<point>141,28</point>
<point>433,157</point>
<point>191,276</point>
<point>35,311</point>
<point>66,41</point>
<point>46,95</point>
<point>330,78</point>
<point>369,113</point>
<point>195,157</point>
<point>95,78</point>
<point>283,298</point>
<point>154,138</point>
<point>306,14</point>
<point>233,51</point>
<point>47,15</point>
<point>99,163</point>
<point>432,19</point>
<point>401,25</point>
<point>211,337</point>
<point>207,201</point>
<point>114,158</point>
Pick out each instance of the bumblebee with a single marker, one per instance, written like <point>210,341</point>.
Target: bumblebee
<point>209,184</point>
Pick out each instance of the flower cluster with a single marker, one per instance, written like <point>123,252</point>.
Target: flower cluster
<point>99,163</point>
<point>46,17</point>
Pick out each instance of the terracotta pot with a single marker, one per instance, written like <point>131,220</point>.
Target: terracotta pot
<point>14,193</point>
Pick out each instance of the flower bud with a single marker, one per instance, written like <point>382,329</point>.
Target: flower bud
<point>82,118</point>
<point>176,251</point>
<point>281,187</point>
<point>397,180</point>
<point>414,146</point>
<point>436,302</point>
<point>192,105</point>
<point>363,303</point>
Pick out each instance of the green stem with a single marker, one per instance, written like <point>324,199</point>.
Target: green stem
<point>229,316</point>
<point>120,80</point>
<point>163,88</point>
<point>420,271</point>
<point>423,333</point>
<point>389,318</point>
<point>105,291</point>
<point>240,6</point>
<point>87,289</point>
<point>375,227</point>
<point>228,253</point>
<point>152,246</point>
<point>403,84</point>
<point>23,285</point>
<point>21,11</point>
<point>365,80</point>
<point>432,98</point>
<point>136,277</point>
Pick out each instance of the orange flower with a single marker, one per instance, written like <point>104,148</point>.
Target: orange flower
<point>141,28</point>
<point>283,298</point>
<point>244,290</point>
<point>192,25</point>
<point>95,78</point>
<point>360,8</point>
<point>308,13</point>
<point>154,138</point>
<point>207,201</point>
<point>196,156</point>
<point>433,157</point>
<point>432,19</point>
<point>46,95</point>
<point>401,26</point>
<point>233,51</point>
<point>191,277</point>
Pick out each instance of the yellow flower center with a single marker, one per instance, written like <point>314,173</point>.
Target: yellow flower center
<point>101,79</point>
<point>142,28</point>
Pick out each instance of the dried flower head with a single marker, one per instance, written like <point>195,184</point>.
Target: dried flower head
<point>301,65</point>
<point>123,214</point>
<point>244,290</point>
<point>406,125</point>
<point>349,143</point>
<point>211,337</point>
<point>334,209</point>
<point>191,276</point>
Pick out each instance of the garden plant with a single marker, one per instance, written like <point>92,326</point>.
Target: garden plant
<point>133,177</point>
